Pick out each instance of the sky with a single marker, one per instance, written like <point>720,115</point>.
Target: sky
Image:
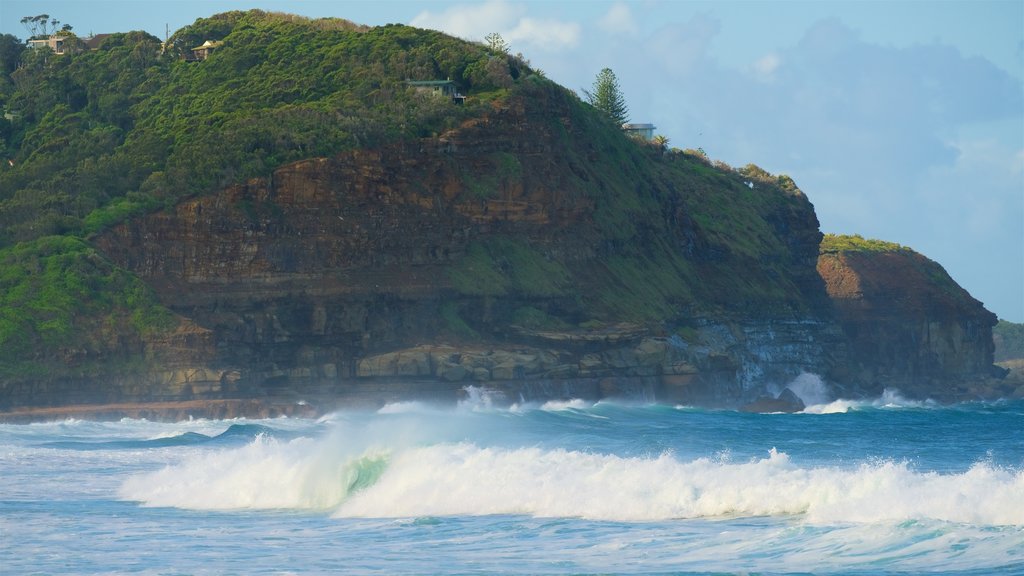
<point>900,120</point>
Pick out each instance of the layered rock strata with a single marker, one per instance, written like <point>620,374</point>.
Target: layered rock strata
<point>311,280</point>
<point>910,326</point>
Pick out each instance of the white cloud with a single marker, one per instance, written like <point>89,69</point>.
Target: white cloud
<point>764,68</point>
<point>472,21</point>
<point>475,21</point>
<point>680,48</point>
<point>548,35</point>
<point>915,144</point>
<point>619,20</point>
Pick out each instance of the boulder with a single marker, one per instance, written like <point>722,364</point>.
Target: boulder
<point>786,401</point>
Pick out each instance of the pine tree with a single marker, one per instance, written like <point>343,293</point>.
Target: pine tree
<point>497,44</point>
<point>607,97</point>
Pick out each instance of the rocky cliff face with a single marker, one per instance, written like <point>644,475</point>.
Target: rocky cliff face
<point>909,325</point>
<point>513,248</point>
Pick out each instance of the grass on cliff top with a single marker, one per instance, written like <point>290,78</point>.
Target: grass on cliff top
<point>833,243</point>
<point>60,298</point>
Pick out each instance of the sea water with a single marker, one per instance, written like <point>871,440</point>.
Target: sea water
<point>869,487</point>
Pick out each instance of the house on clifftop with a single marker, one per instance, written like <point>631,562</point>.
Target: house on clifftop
<point>642,131</point>
<point>200,53</point>
<point>444,88</point>
<point>56,42</point>
<point>64,43</point>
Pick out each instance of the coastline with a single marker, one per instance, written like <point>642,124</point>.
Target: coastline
<point>170,411</point>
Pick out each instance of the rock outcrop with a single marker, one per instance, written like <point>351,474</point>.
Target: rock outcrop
<point>506,251</point>
<point>908,324</point>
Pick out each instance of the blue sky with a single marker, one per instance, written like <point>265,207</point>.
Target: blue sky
<point>900,120</point>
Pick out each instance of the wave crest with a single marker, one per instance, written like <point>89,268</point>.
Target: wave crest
<point>465,479</point>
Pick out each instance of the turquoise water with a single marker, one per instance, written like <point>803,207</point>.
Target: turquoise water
<point>881,487</point>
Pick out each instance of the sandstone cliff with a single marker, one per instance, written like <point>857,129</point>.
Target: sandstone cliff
<point>291,220</point>
<point>908,324</point>
<point>535,249</point>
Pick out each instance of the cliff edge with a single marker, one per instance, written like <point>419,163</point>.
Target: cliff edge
<point>908,324</point>
<point>300,218</point>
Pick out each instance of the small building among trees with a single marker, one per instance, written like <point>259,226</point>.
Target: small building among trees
<point>444,88</point>
<point>642,131</point>
<point>200,53</point>
<point>56,42</point>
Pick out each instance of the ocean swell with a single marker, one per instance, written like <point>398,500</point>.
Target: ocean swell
<point>463,478</point>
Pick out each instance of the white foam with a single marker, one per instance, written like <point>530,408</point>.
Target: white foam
<point>359,478</point>
<point>411,407</point>
<point>480,399</point>
<point>810,388</point>
<point>573,404</point>
<point>464,479</point>
<point>890,399</point>
<point>265,474</point>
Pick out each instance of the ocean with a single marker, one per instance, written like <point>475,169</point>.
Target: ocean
<point>886,486</point>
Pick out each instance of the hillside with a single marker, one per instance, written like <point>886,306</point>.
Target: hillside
<point>290,218</point>
<point>1009,341</point>
<point>909,325</point>
<point>95,137</point>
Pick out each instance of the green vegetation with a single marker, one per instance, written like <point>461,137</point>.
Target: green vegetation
<point>496,43</point>
<point>535,319</point>
<point>607,97</point>
<point>1009,340</point>
<point>97,137</point>
<point>833,243</point>
<point>485,182</point>
<point>57,294</point>
<point>678,236</point>
<point>454,323</point>
<point>501,265</point>
<point>90,138</point>
<point>42,25</point>
<point>131,126</point>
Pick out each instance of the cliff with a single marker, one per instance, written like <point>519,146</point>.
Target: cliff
<point>908,324</point>
<point>290,222</point>
<point>535,250</point>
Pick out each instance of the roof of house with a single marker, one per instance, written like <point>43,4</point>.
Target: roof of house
<point>93,42</point>
<point>209,44</point>
<point>429,82</point>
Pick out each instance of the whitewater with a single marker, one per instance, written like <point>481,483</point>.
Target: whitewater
<point>886,486</point>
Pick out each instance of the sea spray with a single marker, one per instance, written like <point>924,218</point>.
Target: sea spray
<point>265,474</point>
<point>464,479</point>
<point>889,399</point>
<point>884,488</point>
<point>291,473</point>
<point>810,388</point>
<point>445,479</point>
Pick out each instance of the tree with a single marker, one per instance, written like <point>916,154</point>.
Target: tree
<point>607,97</point>
<point>10,51</point>
<point>661,141</point>
<point>40,26</point>
<point>496,43</point>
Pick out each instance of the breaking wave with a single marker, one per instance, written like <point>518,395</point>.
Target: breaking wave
<point>463,478</point>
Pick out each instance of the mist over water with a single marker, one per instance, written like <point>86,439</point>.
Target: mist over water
<point>883,486</point>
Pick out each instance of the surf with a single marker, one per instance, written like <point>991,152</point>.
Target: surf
<point>374,479</point>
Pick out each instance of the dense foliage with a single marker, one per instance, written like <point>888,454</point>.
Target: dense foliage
<point>856,243</point>
<point>1009,341</point>
<point>98,135</point>
<point>59,297</point>
<point>92,137</point>
<point>95,137</point>
<point>607,97</point>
